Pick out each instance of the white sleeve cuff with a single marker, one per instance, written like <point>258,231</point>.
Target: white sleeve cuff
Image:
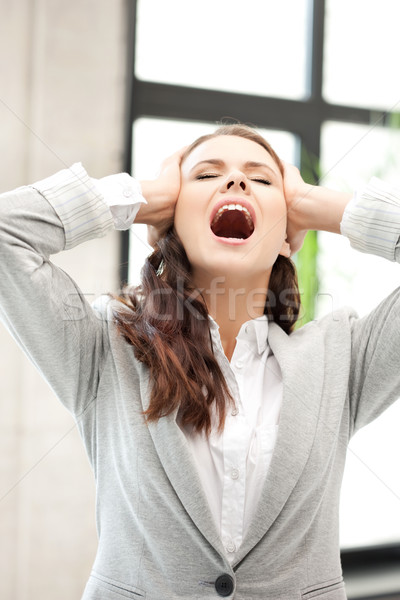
<point>123,194</point>
<point>371,219</point>
<point>78,203</point>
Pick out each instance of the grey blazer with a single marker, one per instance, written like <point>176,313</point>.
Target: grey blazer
<point>157,538</point>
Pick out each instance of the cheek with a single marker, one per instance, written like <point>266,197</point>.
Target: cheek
<point>189,211</point>
<point>275,210</point>
<point>185,222</point>
<point>180,216</point>
<point>275,224</point>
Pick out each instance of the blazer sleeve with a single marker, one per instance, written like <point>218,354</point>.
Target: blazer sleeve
<point>372,223</point>
<point>40,305</point>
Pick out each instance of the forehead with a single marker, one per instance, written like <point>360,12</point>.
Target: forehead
<point>231,149</point>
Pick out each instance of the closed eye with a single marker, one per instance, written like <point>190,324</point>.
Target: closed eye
<point>207,175</point>
<point>260,180</point>
<point>212,175</point>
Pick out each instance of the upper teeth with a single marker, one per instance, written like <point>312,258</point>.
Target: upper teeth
<point>234,207</point>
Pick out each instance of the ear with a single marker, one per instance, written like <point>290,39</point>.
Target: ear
<point>285,250</point>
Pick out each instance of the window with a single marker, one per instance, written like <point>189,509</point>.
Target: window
<point>362,48</point>
<point>320,77</point>
<point>226,45</point>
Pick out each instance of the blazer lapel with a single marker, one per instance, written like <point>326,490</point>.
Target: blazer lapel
<point>175,456</point>
<point>300,357</point>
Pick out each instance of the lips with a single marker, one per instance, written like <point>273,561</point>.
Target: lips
<point>233,218</point>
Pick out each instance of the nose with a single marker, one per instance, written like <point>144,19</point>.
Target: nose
<point>235,181</point>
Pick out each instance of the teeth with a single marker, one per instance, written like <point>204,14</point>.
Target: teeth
<point>234,207</point>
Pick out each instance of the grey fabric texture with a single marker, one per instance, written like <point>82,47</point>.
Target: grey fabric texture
<point>157,538</point>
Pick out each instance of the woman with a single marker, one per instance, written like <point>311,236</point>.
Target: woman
<point>179,387</point>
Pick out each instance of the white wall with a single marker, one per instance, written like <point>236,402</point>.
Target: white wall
<point>62,90</point>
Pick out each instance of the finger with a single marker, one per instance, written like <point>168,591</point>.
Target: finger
<point>174,158</point>
<point>290,169</point>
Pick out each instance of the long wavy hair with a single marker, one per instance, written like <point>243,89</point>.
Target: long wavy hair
<point>165,319</point>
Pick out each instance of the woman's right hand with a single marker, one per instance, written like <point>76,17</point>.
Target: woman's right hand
<point>161,195</point>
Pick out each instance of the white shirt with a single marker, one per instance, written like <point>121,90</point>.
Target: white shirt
<point>232,466</point>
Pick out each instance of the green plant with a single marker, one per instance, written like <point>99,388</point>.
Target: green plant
<point>306,259</point>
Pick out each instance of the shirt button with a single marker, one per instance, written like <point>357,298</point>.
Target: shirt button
<point>127,193</point>
<point>235,412</point>
<point>239,364</point>
<point>231,547</point>
<point>235,473</point>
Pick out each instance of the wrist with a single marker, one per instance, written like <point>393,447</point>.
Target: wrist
<point>153,191</point>
<point>320,209</point>
<point>154,194</point>
<point>301,207</point>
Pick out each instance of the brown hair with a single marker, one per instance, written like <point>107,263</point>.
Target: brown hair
<point>166,320</point>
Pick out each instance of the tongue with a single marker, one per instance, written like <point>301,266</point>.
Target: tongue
<point>232,224</point>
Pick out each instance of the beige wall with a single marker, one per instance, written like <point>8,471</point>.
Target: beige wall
<point>62,90</point>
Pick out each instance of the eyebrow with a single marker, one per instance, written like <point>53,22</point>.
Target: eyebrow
<point>250,164</point>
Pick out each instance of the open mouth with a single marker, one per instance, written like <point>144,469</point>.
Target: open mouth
<point>232,221</point>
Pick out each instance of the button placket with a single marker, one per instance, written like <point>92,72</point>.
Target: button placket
<point>233,494</point>
<point>235,473</point>
<point>239,363</point>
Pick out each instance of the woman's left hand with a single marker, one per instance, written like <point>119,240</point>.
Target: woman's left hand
<point>310,207</point>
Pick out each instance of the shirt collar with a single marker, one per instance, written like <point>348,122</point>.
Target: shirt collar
<point>254,332</point>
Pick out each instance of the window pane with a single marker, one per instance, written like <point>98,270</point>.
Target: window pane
<point>361,54</point>
<point>351,154</point>
<point>256,47</point>
<point>154,139</point>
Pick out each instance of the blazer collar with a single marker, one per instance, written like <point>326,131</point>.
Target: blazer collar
<point>175,456</point>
